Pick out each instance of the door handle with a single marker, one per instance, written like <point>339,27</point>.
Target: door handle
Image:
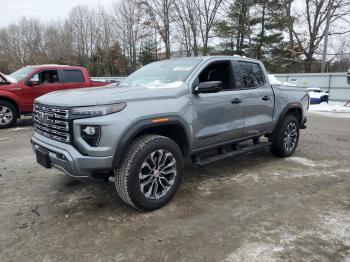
<point>266,98</point>
<point>236,101</point>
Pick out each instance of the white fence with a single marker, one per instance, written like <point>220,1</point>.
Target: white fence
<point>335,83</point>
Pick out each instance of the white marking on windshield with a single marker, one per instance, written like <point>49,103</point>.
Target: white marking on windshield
<point>183,68</point>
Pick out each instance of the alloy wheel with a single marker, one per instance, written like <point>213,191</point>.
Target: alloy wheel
<point>157,174</point>
<point>6,115</point>
<point>290,136</point>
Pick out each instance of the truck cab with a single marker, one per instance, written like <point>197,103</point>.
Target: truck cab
<point>19,90</point>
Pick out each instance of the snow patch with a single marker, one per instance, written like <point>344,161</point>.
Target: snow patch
<point>336,225</point>
<point>273,80</point>
<point>205,189</point>
<point>5,139</point>
<point>20,128</point>
<point>333,107</point>
<point>288,238</point>
<point>303,161</point>
<point>252,252</point>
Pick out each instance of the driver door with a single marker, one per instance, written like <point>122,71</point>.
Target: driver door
<point>218,117</point>
<point>39,84</point>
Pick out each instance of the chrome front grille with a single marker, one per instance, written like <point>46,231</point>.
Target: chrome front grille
<point>52,122</point>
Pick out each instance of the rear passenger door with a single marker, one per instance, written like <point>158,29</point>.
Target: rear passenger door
<point>73,78</point>
<point>258,98</point>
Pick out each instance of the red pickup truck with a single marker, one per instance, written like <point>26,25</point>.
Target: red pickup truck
<point>19,90</point>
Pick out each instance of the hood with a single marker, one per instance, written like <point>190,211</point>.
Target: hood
<point>7,78</point>
<point>109,94</point>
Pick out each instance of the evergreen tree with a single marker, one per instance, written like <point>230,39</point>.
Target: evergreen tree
<point>148,53</point>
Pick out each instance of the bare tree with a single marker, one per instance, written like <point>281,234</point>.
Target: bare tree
<point>314,19</point>
<point>160,12</point>
<point>187,15</point>
<point>129,20</point>
<point>58,43</point>
<point>207,10</point>
<point>83,26</point>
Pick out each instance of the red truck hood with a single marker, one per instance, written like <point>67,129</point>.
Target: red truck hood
<point>6,78</point>
<point>7,85</point>
<point>2,76</point>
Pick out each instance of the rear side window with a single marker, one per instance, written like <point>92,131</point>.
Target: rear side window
<point>73,76</point>
<point>252,75</point>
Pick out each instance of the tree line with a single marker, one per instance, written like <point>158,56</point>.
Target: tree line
<point>287,35</point>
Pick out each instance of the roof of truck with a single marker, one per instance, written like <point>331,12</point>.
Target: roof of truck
<point>54,65</point>
<point>237,57</point>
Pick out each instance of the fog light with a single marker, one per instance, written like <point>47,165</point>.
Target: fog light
<point>91,134</point>
<point>90,130</point>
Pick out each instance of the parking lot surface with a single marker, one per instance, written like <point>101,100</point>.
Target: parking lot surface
<point>254,207</point>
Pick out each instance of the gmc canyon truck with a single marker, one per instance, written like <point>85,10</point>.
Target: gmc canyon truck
<point>140,132</point>
<point>18,90</point>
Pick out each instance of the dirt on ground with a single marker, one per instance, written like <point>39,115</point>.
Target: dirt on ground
<point>253,207</point>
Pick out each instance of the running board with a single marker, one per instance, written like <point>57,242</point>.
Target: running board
<point>223,155</point>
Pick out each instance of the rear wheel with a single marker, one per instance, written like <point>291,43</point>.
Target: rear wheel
<point>285,138</point>
<point>8,114</point>
<point>150,173</point>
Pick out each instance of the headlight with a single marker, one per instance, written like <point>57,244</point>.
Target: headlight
<point>100,110</point>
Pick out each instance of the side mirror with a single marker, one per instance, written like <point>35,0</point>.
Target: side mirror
<point>32,83</point>
<point>208,87</point>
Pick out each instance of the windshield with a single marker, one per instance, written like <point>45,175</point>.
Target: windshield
<point>163,74</point>
<point>21,73</point>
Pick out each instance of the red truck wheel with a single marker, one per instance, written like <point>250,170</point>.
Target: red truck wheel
<point>8,114</point>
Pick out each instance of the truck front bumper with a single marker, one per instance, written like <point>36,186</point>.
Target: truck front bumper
<point>69,160</point>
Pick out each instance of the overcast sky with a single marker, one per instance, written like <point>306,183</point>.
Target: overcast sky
<point>47,10</point>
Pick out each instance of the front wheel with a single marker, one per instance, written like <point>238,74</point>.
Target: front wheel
<point>285,138</point>
<point>150,173</point>
<point>8,114</point>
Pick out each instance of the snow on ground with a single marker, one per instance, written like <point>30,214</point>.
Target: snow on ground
<point>20,128</point>
<point>331,107</point>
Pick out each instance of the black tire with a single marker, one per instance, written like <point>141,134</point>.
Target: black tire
<point>281,141</point>
<point>137,168</point>
<point>6,109</point>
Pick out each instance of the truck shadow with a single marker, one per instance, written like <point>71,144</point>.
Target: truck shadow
<point>76,195</point>
<point>24,122</point>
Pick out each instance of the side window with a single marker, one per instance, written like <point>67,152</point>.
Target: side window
<point>252,75</point>
<point>46,77</point>
<point>73,76</point>
<point>218,71</point>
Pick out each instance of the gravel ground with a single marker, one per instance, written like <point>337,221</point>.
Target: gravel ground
<point>253,207</point>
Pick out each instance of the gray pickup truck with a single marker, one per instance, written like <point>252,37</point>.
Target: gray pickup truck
<point>139,133</point>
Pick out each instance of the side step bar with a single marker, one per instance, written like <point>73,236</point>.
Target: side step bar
<point>222,154</point>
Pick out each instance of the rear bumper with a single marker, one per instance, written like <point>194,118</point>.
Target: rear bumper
<point>66,158</point>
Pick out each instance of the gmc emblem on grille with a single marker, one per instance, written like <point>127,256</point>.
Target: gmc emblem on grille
<point>43,117</point>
